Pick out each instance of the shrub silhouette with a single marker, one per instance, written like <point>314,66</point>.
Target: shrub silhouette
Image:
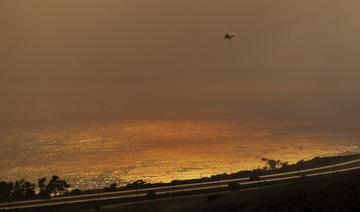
<point>136,185</point>
<point>233,186</point>
<point>23,189</point>
<point>151,194</point>
<point>56,187</point>
<point>112,187</point>
<point>42,187</point>
<point>272,164</point>
<point>5,191</point>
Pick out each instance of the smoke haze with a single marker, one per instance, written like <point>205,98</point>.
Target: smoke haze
<point>160,59</point>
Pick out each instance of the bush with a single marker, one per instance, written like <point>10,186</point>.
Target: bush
<point>254,177</point>
<point>111,188</point>
<point>75,192</point>
<point>151,194</point>
<point>136,185</point>
<point>5,191</point>
<point>233,186</point>
<point>302,176</point>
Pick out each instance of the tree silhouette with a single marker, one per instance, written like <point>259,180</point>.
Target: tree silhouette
<point>42,187</point>
<point>273,164</point>
<point>5,190</point>
<point>285,165</point>
<point>56,187</point>
<point>23,189</point>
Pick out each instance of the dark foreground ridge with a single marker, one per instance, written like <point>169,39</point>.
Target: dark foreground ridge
<point>336,192</point>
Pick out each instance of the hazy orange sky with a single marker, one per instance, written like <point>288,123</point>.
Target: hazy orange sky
<point>70,59</point>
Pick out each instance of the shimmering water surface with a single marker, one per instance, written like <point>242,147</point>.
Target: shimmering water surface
<point>93,154</point>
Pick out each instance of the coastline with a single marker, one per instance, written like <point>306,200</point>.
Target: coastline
<point>269,169</point>
<point>260,187</point>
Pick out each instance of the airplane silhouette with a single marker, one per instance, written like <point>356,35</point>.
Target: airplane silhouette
<point>230,36</point>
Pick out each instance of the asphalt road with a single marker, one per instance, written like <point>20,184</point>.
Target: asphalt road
<point>340,167</point>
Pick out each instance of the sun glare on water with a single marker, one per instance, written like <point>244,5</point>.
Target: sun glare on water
<point>95,154</point>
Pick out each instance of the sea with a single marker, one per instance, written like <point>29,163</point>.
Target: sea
<point>94,154</point>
